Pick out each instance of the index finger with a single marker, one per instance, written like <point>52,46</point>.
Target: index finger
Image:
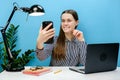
<point>48,26</point>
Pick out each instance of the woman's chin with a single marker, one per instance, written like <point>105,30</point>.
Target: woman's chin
<point>67,32</point>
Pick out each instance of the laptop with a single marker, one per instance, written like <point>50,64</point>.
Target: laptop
<point>99,58</point>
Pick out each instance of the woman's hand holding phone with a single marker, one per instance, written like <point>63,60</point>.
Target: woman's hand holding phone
<point>44,25</point>
<point>45,34</point>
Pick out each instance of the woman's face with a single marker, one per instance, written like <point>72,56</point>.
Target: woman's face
<point>68,23</point>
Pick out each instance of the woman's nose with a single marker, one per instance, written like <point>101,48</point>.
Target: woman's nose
<point>66,23</point>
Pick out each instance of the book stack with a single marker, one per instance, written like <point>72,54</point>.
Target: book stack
<point>37,71</point>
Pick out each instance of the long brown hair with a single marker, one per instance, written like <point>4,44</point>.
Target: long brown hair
<point>59,51</point>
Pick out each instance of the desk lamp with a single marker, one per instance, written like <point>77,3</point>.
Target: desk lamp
<point>35,10</point>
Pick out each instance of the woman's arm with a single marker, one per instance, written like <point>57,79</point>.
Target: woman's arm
<point>45,52</point>
<point>81,44</point>
<point>83,50</point>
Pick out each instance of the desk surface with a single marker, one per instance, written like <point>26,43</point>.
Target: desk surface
<point>65,74</point>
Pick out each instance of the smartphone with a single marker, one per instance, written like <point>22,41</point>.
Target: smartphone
<point>45,24</point>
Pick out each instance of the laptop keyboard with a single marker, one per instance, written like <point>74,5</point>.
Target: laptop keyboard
<point>82,69</point>
<point>77,69</point>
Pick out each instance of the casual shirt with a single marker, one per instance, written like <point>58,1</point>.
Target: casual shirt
<point>75,53</point>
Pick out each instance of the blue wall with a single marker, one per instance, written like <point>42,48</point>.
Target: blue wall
<point>99,20</point>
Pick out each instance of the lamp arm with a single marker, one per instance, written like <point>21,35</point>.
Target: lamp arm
<point>13,11</point>
<point>3,31</point>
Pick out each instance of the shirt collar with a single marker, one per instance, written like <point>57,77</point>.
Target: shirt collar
<point>73,40</point>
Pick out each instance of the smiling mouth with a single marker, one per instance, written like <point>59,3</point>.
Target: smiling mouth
<point>66,27</point>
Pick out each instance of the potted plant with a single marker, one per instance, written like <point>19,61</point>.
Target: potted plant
<point>18,61</point>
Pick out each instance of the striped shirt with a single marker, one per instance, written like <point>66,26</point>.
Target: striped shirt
<point>75,53</point>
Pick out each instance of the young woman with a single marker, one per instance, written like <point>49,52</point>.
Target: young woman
<point>69,48</point>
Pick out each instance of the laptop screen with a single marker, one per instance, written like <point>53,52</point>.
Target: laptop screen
<point>101,57</point>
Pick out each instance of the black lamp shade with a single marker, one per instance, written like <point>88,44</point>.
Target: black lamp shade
<point>36,10</point>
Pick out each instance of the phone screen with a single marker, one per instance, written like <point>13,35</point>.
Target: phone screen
<point>45,24</point>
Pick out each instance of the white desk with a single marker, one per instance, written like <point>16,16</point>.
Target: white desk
<point>66,74</point>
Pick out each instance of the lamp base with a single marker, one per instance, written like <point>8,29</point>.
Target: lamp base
<point>14,68</point>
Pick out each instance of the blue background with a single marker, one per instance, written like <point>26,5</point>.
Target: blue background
<point>99,21</point>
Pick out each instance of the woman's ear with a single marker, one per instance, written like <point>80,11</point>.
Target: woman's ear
<point>77,22</point>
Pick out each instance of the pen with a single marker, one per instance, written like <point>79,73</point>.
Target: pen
<point>57,71</point>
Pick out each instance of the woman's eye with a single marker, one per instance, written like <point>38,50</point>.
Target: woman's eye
<point>69,20</point>
<point>63,20</point>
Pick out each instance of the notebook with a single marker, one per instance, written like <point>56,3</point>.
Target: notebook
<point>99,58</point>
<point>37,71</point>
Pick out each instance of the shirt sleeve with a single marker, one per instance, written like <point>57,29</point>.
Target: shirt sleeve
<point>83,50</point>
<point>44,53</point>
